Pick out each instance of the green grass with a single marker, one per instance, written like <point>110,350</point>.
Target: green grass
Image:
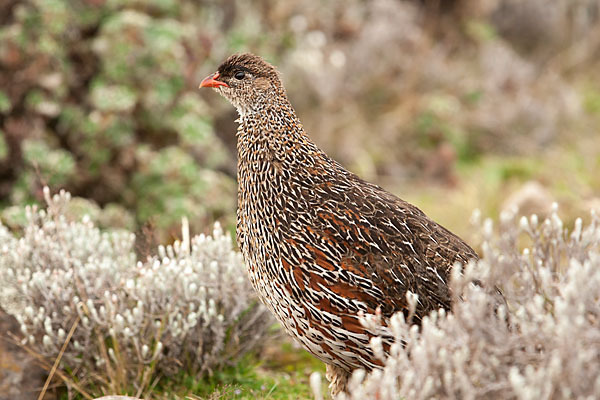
<point>282,372</point>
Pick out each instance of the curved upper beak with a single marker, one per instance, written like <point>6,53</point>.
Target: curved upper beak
<point>211,81</point>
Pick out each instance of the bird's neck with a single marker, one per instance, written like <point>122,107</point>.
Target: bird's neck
<point>274,151</point>
<point>270,130</point>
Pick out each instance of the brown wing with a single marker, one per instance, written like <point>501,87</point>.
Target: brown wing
<point>367,248</point>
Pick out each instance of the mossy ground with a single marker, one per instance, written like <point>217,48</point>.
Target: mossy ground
<point>282,373</point>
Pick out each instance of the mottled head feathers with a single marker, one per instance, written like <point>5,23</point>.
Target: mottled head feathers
<point>250,63</point>
<point>250,82</point>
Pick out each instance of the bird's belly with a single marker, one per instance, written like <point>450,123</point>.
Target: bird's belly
<point>321,333</point>
<point>324,333</point>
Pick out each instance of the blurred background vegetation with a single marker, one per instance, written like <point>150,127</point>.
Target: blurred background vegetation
<point>453,105</point>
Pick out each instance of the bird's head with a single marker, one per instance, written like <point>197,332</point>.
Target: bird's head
<point>247,81</point>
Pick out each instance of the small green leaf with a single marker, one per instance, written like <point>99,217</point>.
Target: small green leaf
<point>3,146</point>
<point>481,30</point>
<point>5,104</point>
<point>113,98</point>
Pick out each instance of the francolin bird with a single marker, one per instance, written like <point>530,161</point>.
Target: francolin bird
<point>322,245</point>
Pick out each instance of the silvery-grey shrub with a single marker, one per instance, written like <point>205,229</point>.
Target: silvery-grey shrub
<point>190,308</point>
<point>550,349</point>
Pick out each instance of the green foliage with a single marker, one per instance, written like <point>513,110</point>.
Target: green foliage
<point>4,102</point>
<point>433,130</point>
<point>170,185</point>
<point>592,100</point>
<point>480,30</point>
<point>113,98</point>
<point>55,165</point>
<point>3,148</point>
<point>112,85</point>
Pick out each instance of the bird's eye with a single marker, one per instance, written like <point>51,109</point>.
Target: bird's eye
<point>239,75</point>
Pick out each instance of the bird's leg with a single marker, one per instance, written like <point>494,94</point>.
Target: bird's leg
<point>338,379</point>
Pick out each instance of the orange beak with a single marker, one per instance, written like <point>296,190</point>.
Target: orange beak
<point>211,81</point>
